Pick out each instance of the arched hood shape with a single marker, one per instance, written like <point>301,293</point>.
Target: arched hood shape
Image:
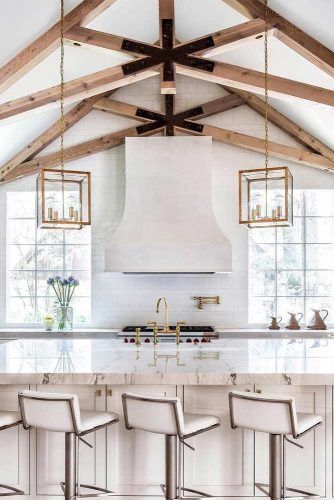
<point>168,224</point>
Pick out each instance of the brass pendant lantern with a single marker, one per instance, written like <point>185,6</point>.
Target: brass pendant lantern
<point>266,194</point>
<point>63,196</point>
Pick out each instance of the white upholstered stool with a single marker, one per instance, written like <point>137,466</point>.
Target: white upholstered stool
<point>9,419</point>
<point>61,413</point>
<point>165,416</point>
<point>275,415</point>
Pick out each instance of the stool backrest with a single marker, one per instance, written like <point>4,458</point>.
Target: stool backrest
<point>50,411</point>
<point>153,414</point>
<point>273,414</point>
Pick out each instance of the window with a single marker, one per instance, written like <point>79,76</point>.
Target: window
<point>35,254</point>
<point>291,269</point>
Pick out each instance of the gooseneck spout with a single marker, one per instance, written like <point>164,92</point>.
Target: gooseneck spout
<point>166,326</point>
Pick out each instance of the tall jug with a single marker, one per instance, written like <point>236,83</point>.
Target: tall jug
<point>318,322</point>
<point>293,323</point>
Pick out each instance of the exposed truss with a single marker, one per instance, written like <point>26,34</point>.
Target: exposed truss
<point>167,57</point>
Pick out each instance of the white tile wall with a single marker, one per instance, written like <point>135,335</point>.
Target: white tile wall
<point>118,300</point>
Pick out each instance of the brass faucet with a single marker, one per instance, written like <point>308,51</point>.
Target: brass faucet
<point>166,326</point>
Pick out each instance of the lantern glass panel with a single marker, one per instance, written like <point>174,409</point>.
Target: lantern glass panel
<point>63,199</point>
<point>266,197</point>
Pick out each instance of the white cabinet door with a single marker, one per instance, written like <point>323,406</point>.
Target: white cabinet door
<point>135,459</point>
<point>50,445</point>
<point>14,444</point>
<point>222,463</point>
<point>305,469</point>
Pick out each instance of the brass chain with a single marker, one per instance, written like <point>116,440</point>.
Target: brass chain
<point>266,133</point>
<point>62,119</point>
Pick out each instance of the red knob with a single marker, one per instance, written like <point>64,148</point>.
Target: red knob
<point>189,340</point>
<point>196,341</point>
<point>147,341</point>
<point>132,341</point>
<point>126,341</point>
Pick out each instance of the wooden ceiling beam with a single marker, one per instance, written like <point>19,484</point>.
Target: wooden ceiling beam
<point>230,38</point>
<point>194,113</point>
<point>49,135</point>
<point>80,88</point>
<point>276,150</point>
<point>251,80</point>
<point>167,42</point>
<point>284,123</point>
<point>123,109</point>
<point>35,52</point>
<point>288,33</point>
<point>76,152</point>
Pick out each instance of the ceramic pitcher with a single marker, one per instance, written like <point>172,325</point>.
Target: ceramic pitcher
<point>293,323</point>
<point>318,322</point>
<point>275,321</point>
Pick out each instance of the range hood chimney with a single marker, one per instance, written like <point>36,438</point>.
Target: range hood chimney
<point>168,224</point>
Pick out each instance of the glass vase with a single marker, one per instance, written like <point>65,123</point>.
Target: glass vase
<point>65,318</point>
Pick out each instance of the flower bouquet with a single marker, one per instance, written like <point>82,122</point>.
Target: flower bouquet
<point>64,290</point>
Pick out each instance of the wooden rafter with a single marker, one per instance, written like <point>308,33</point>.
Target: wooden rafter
<point>34,53</point>
<point>276,150</point>
<point>221,135</point>
<point>298,40</point>
<point>80,88</point>
<point>195,112</point>
<point>251,80</point>
<point>284,123</point>
<point>233,37</point>
<point>49,135</point>
<point>76,152</point>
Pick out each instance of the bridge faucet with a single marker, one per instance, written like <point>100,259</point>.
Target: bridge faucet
<point>166,327</point>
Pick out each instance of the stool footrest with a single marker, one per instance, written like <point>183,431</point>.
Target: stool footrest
<point>264,488</point>
<point>101,492</point>
<point>199,494</point>
<point>11,491</point>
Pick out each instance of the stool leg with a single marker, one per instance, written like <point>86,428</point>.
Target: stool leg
<point>171,468</point>
<point>275,466</point>
<point>70,465</point>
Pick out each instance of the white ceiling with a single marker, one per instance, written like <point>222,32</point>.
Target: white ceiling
<point>23,20</point>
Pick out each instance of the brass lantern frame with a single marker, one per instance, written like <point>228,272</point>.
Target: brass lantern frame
<point>43,221</point>
<point>266,221</point>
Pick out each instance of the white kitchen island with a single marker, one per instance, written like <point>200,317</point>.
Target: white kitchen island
<point>226,462</point>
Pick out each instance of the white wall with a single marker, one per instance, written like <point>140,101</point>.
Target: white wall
<point>118,300</point>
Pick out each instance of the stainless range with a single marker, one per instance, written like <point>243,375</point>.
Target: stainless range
<point>188,334</point>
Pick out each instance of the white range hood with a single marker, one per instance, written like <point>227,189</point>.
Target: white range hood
<point>168,224</point>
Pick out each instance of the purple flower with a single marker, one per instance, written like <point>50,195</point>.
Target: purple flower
<point>71,278</point>
<point>75,282</point>
<point>50,281</point>
<point>64,282</point>
<point>57,279</point>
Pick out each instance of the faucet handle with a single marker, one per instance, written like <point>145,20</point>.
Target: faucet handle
<point>153,323</point>
<point>179,323</point>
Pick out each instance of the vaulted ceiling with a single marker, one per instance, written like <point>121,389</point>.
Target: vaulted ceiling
<point>102,54</point>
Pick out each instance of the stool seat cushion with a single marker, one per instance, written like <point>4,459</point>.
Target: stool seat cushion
<point>307,420</point>
<point>197,422</point>
<point>91,419</point>
<point>9,418</point>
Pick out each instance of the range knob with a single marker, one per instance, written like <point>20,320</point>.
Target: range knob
<point>132,341</point>
<point>147,341</point>
<point>189,340</point>
<point>126,341</point>
<point>203,340</point>
<point>196,341</point>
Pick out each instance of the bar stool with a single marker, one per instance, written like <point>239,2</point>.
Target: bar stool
<point>61,413</point>
<point>166,417</point>
<point>276,416</point>
<point>10,419</point>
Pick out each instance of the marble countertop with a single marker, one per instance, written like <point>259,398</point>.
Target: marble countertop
<point>224,361</point>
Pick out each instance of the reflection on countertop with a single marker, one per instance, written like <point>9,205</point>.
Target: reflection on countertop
<point>223,361</point>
